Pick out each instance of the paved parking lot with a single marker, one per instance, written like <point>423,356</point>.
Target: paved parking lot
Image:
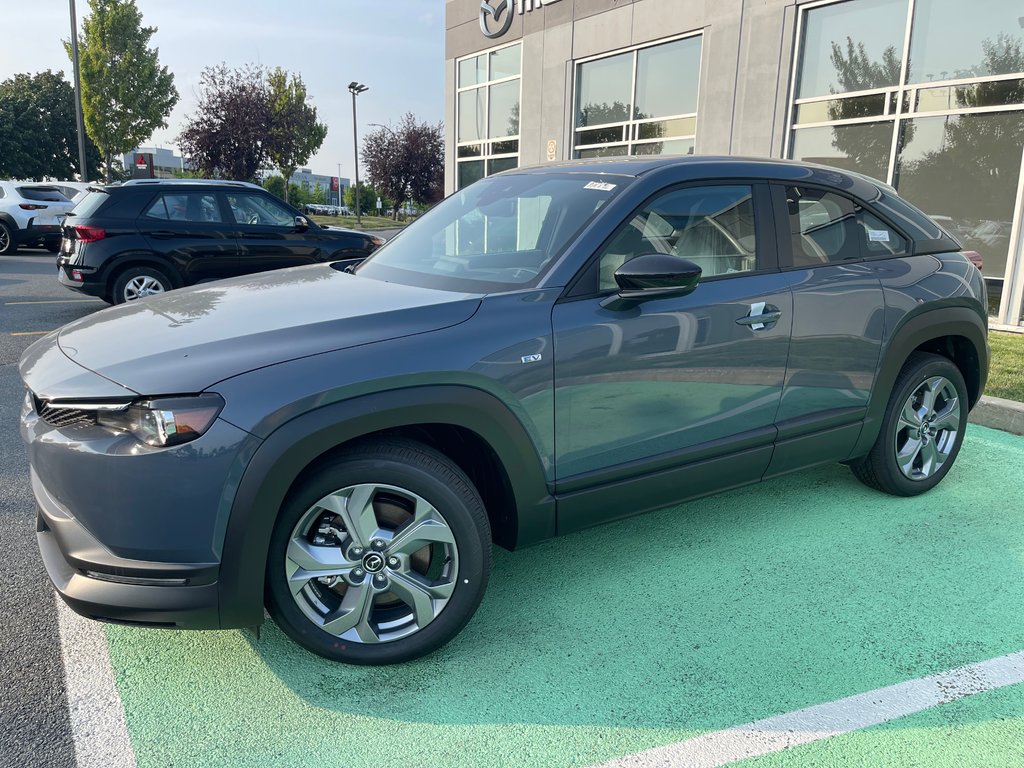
<point>655,636</point>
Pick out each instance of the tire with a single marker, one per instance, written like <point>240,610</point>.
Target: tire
<point>922,430</point>
<point>390,595</point>
<point>139,282</point>
<point>8,240</point>
<point>52,244</point>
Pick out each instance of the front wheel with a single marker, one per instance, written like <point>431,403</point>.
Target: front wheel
<point>922,430</point>
<point>8,241</point>
<point>379,557</point>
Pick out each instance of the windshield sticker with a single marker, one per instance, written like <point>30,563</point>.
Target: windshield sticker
<point>878,235</point>
<point>601,185</point>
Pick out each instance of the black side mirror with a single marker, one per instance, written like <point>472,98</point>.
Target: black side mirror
<point>654,275</point>
<point>301,223</point>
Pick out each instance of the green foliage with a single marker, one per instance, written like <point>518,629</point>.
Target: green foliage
<point>38,137</point>
<point>275,186</point>
<point>407,163</point>
<point>367,198</point>
<point>126,94</point>
<point>294,133</point>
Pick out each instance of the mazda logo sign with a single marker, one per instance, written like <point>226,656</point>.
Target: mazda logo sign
<point>494,13</point>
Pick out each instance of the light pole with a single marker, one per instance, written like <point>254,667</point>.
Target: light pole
<point>341,202</point>
<point>355,89</point>
<point>83,172</point>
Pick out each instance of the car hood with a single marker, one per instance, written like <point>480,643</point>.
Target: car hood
<point>187,340</point>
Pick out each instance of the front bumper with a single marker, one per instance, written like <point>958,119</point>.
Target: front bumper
<point>99,585</point>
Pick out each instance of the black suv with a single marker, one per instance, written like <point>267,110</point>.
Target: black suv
<point>146,237</point>
<point>548,349</point>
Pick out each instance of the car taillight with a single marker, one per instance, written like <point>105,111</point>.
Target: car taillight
<point>30,207</point>
<point>86,234</point>
<point>975,258</point>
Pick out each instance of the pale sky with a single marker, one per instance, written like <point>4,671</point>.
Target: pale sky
<point>394,46</point>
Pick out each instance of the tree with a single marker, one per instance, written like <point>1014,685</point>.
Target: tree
<point>126,94</point>
<point>367,198</point>
<point>294,133</point>
<point>37,129</point>
<point>406,164</point>
<point>275,185</point>
<point>227,136</point>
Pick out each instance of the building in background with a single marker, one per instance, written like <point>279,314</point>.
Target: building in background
<point>159,162</point>
<point>926,95</point>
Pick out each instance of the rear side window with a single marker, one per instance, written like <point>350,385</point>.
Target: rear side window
<point>91,203</point>
<point>827,228</point>
<point>185,206</point>
<point>42,194</point>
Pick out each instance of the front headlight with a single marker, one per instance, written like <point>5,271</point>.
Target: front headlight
<point>165,421</point>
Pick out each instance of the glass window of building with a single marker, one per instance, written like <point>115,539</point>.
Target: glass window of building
<point>641,102</point>
<point>487,113</point>
<point>926,95</point>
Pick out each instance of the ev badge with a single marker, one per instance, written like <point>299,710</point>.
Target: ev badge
<point>494,12</point>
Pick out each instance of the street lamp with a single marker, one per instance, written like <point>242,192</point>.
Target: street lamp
<point>355,89</point>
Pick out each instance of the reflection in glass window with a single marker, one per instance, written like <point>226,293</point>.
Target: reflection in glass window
<point>660,104</point>
<point>660,90</point>
<point>852,46</point>
<point>862,147</point>
<point>188,206</point>
<point>953,39</point>
<point>487,113</point>
<point>942,157</point>
<point>605,90</point>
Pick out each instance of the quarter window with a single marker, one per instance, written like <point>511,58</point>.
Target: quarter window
<point>185,206</point>
<point>711,226</point>
<point>827,228</point>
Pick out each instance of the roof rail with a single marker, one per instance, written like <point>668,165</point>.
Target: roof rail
<point>199,182</point>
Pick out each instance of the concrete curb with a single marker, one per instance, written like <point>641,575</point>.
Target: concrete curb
<point>997,413</point>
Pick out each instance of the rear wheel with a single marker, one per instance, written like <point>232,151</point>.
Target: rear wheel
<point>8,242</point>
<point>379,557</point>
<point>139,282</point>
<point>922,430</point>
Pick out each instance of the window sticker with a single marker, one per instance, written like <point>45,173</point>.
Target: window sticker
<point>878,235</point>
<point>601,185</point>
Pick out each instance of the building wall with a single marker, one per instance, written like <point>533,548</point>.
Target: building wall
<point>745,95</point>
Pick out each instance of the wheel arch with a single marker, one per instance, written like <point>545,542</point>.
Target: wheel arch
<point>957,333</point>
<point>472,427</point>
<point>128,261</point>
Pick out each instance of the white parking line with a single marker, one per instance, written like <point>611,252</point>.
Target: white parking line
<point>97,714</point>
<point>52,301</point>
<point>774,734</point>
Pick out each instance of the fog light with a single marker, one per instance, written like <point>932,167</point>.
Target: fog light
<point>76,274</point>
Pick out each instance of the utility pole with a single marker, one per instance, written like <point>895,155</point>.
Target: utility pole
<point>355,89</point>
<point>83,170</point>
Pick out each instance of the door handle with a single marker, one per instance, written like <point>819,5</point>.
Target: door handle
<point>163,234</point>
<point>761,316</point>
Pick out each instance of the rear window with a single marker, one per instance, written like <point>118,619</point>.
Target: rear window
<point>42,194</point>
<point>91,203</point>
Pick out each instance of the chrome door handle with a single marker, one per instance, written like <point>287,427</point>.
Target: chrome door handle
<point>761,316</point>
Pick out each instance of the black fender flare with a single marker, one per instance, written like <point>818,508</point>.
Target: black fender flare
<point>7,219</point>
<point>943,322</point>
<point>290,449</point>
<point>140,258</point>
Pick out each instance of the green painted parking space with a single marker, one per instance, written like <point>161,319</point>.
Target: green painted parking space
<point>638,634</point>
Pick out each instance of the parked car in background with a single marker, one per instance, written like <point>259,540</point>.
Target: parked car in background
<point>551,348</point>
<point>30,215</point>
<point>140,238</point>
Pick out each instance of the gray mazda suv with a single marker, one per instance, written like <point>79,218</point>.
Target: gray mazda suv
<point>548,349</point>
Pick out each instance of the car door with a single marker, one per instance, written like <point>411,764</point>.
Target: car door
<point>644,386</point>
<point>830,245</point>
<point>268,237</point>
<point>187,230</point>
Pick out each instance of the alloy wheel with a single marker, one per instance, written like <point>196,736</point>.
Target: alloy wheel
<point>142,286</point>
<point>371,563</point>
<point>5,239</point>
<point>927,428</point>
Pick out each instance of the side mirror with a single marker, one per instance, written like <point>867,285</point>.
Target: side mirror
<point>653,275</point>
<point>301,223</point>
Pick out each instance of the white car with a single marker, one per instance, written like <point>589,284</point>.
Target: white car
<point>30,214</point>
<point>74,191</point>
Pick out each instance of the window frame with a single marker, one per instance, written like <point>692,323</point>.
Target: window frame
<point>631,126</point>
<point>784,231</point>
<point>162,195</point>
<point>765,226</point>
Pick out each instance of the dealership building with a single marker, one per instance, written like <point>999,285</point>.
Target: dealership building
<point>926,95</point>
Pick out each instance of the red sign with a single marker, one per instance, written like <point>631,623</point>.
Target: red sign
<point>334,183</point>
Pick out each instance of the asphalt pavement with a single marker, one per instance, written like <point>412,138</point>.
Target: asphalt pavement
<point>34,724</point>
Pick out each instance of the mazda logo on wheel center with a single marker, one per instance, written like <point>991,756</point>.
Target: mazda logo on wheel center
<point>373,563</point>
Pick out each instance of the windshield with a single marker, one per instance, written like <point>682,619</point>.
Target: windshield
<point>498,234</point>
